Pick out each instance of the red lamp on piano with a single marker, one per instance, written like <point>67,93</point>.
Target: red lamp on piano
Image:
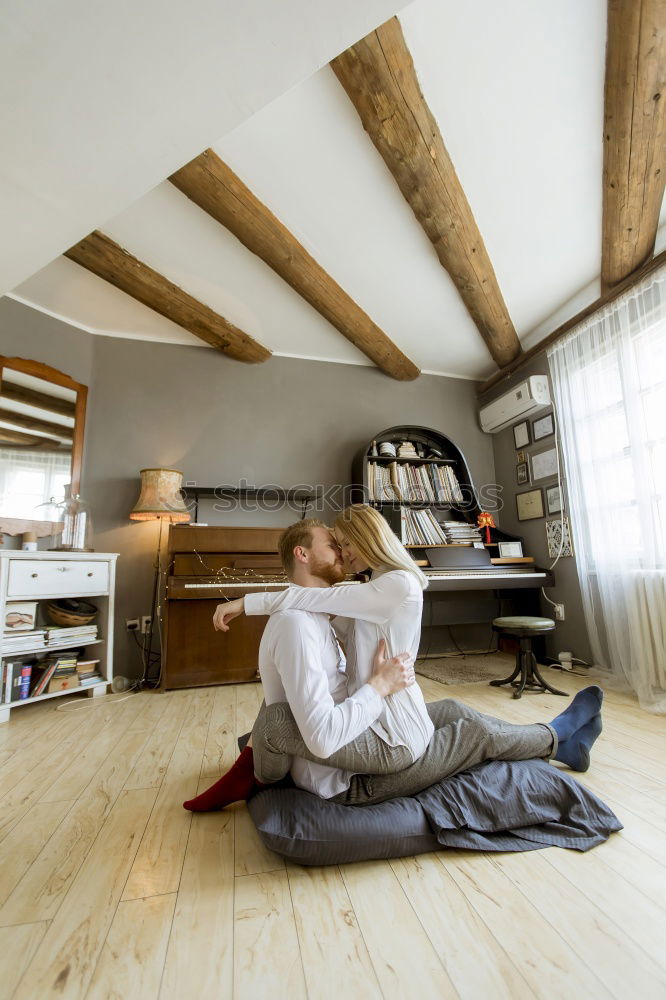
<point>485,520</point>
<point>160,500</point>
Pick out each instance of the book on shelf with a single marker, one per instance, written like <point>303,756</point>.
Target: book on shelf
<point>41,675</point>
<point>16,680</point>
<point>59,634</point>
<point>420,527</point>
<point>18,642</point>
<point>461,533</point>
<point>409,483</point>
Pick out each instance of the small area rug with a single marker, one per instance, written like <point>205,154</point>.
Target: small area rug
<point>471,668</point>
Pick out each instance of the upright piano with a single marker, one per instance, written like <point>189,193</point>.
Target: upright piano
<point>209,565</point>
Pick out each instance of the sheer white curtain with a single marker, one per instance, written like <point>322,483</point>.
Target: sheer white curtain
<point>609,381</point>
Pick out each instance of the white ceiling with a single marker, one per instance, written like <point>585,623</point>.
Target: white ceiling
<point>517,89</point>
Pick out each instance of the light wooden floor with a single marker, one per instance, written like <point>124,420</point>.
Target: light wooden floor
<point>108,888</point>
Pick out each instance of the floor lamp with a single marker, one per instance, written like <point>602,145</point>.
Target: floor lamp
<point>160,500</point>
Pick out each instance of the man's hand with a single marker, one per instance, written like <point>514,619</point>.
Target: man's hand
<point>390,675</point>
<point>224,613</point>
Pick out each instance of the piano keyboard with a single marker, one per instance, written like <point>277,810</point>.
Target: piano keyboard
<point>490,574</point>
<point>235,584</point>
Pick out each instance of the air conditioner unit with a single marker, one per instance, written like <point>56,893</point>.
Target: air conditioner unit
<point>528,397</point>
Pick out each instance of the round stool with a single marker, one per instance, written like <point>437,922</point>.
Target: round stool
<point>525,628</point>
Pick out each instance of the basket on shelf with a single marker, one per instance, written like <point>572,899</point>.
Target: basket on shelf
<point>70,612</point>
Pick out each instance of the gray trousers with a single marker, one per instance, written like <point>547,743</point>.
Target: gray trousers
<point>463,737</point>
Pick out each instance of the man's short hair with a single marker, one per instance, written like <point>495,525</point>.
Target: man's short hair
<point>296,534</point>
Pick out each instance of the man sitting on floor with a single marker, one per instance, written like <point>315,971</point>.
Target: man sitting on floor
<point>301,664</point>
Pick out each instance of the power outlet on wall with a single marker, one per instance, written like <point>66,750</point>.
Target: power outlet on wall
<point>145,623</point>
<point>558,610</point>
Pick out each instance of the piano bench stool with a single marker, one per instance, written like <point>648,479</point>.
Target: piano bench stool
<point>526,675</point>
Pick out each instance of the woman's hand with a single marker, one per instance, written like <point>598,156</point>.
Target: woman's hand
<point>391,674</point>
<point>224,613</point>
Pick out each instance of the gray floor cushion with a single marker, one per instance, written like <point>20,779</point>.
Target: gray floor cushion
<point>496,806</point>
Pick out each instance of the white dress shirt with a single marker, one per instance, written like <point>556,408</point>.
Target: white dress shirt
<point>387,607</point>
<point>300,662</point>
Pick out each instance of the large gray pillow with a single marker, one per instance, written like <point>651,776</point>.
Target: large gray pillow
<point>496,806</point>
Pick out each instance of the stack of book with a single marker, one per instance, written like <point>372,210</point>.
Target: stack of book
<point>420,527</point>
<point>57,673</point>
<point>19,642</point>
<point>427,483</point>
<point>59,634</point>
<point>460,533</point>
<point>88,672</point>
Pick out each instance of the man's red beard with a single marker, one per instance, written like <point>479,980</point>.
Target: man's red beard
<point>330,573</point>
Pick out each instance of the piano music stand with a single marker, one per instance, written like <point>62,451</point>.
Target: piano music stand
<point>524,628</point>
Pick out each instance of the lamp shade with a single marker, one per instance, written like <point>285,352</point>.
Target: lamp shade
<point>160,497</point>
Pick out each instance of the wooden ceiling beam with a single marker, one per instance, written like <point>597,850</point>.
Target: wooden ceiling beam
<point>379,77</point>
<point>99,254</point>
<point>33,424</point>
<point>16,393</point>
<point>215,188</point>
<point>634,171</point>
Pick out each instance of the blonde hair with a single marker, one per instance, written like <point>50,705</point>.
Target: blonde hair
<point>374,541</point>
<point>296,534</point>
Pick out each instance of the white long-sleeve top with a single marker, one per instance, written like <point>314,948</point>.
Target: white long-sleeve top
<point>300,662</point>
<point>387,607</point>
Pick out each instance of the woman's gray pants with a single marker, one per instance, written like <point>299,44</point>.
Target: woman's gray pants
<point>463,737</point>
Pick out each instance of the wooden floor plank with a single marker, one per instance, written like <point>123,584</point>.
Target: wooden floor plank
<point>477,965</point>
<point>335,957</point>
<point>24,844</point>
<point>267,959</point>
<point>132,959</point>
<point>159,860</point>
<point>548,963</point>
<point>43,887</point>
<point>18,945</point>
<point>624,968</point>
<point>67,956</point>
<point>150,768</point>
<point>200,957</point>
<point>221,750</point>
<point>402,956</point>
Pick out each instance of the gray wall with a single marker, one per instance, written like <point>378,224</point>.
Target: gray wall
<point>285,422</point>
<point>571,634</point>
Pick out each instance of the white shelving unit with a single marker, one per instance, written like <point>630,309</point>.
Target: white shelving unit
<point>43,576</point>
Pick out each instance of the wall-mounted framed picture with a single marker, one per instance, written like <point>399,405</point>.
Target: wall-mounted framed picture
<point>529,505</point>
<point>521,434</point>
<point>522,474</point>
<point>510,550</point>
<point>521,456</point>
<point>553,500</point>
<point>558,537</point>
<point>544,464</point>
<point>543,427</point>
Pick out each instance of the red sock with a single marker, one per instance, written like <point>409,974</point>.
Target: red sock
<point>236,784</point>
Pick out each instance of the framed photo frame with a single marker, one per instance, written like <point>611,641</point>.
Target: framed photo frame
<point>544,464</point>
<point>510,550</point>
<point>521,434</point>
<point>543,427</point>
<point>529,505</point>
<point>553,500</point>
<point>558,538</point>
<point>521,456</point>
<point>522,474</point>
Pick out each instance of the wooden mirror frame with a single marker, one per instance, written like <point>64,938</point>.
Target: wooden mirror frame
<point>18,525</point>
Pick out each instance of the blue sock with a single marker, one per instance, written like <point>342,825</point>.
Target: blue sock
<point>585,706</point>
<point>575,752</point>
